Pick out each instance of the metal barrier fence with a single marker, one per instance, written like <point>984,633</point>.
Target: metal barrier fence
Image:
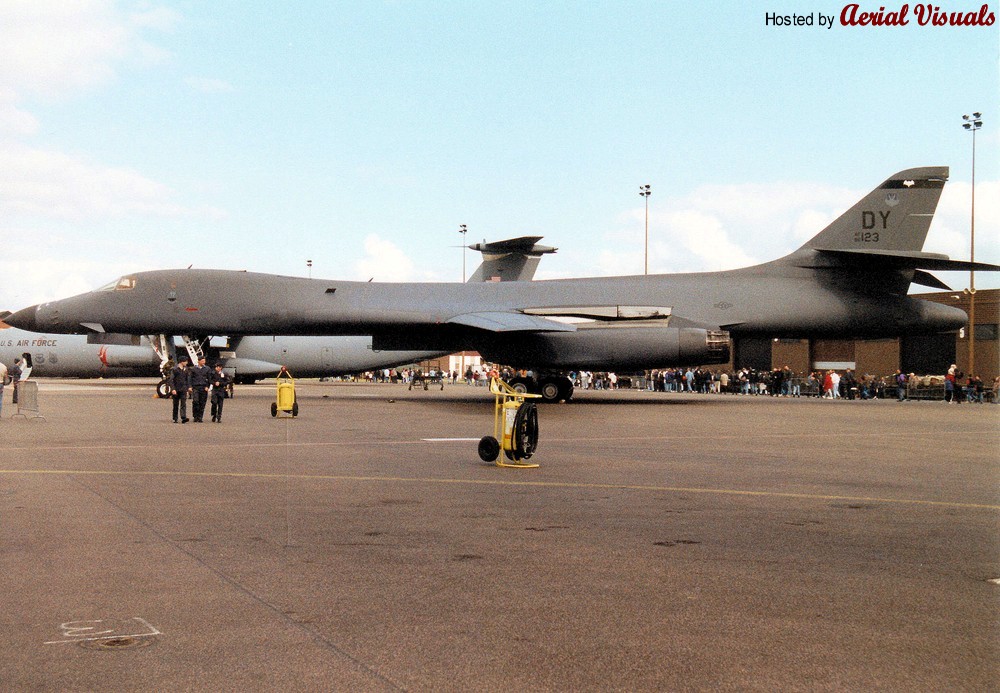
<point>27,400</point>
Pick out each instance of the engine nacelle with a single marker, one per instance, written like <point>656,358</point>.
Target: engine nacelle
<point>619,347</point>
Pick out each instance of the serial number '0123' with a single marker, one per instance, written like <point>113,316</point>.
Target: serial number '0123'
<point>866,237</point>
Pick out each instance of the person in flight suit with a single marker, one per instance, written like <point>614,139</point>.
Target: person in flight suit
<point>220,383</point>
<point>180,385</point>
<point>200,377</point>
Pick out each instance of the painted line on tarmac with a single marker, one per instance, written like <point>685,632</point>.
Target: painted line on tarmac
<point>497,482</point>
<point>579,441</point>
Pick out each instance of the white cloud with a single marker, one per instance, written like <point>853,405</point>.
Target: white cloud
<point>49,46</point>
<point>51,184</point>
<point>13,119</point>
<point>949,232</point>
<point>51,265</point>
<point>719,227</point>
<point>704,235</point>
<point>728,226</point>
<point>160,18</point>
<point>53,49</point>
<point>384,261</point>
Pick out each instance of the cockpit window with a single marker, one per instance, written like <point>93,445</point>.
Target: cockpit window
<point>125,283</point>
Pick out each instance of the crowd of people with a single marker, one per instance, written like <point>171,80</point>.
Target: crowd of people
<point>778,382</point>
<point>479,376</point>
<point>203,384</point>
<point>829,384</point>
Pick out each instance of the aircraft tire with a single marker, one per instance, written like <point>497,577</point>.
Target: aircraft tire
<point>551,390</point>
<point>520,385</point>
<point>274,409</point>
<point>566,389</point>
<point>489,449</point>
<point>163,389</point>
<point>295,409</point>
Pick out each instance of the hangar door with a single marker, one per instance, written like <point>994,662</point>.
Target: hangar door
<point>927,354</point>
<point>752,353</point>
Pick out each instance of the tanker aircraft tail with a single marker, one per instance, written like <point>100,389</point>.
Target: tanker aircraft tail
<point>511,260</point>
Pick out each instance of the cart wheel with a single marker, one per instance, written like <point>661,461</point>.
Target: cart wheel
<point>295,409</point>
<point>274,409</point>
<point>489,449</point>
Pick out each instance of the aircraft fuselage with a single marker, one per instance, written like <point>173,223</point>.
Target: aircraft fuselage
<point>746,302</point>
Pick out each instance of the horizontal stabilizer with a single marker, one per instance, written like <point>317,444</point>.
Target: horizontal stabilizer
<point>907,259</point>
<point>927,279</point>
<point>524,244</point>
<point>503,321</point>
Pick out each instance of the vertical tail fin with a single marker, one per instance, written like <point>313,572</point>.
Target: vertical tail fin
<point>895,216</point>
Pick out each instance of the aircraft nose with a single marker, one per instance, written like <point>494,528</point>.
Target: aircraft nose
<point>24,319</point>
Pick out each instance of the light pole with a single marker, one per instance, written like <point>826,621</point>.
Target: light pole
<point>644,191</point>
<point>972,123</point>
<point>309,265</point>
<point>463,229</point>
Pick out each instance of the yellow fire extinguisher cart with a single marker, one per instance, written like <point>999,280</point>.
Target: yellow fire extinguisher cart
<point>515,427</point>
<point>285,401</point>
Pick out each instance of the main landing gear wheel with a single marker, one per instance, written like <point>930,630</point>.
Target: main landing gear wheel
<point>556,388</point>
<point>163,389</point>
<point>549,390</point>
<point>520,385</point>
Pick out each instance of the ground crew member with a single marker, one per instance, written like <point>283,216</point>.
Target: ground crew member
<point>15,377</point>
<point>180,385</point>
<point>220,383</point>
<point>200,377</point>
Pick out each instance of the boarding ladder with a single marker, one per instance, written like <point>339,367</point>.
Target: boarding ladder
<point>194,349</point>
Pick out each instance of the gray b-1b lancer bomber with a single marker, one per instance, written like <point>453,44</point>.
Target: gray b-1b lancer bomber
<point>850,280</point>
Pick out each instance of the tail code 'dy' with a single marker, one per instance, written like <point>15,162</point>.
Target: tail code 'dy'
<point>895,216</point>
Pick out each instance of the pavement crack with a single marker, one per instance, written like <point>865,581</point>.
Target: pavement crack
<point>359,665</point>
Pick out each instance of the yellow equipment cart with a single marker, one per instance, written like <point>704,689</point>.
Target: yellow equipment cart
<point>285,400</point>
<point>515,427</point>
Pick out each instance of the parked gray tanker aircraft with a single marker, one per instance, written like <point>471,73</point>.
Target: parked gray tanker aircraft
<point>70,356</point>
<point>249,358</point>
<point>850,280</point>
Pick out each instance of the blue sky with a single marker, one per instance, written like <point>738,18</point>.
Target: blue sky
<point>360,135</point>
